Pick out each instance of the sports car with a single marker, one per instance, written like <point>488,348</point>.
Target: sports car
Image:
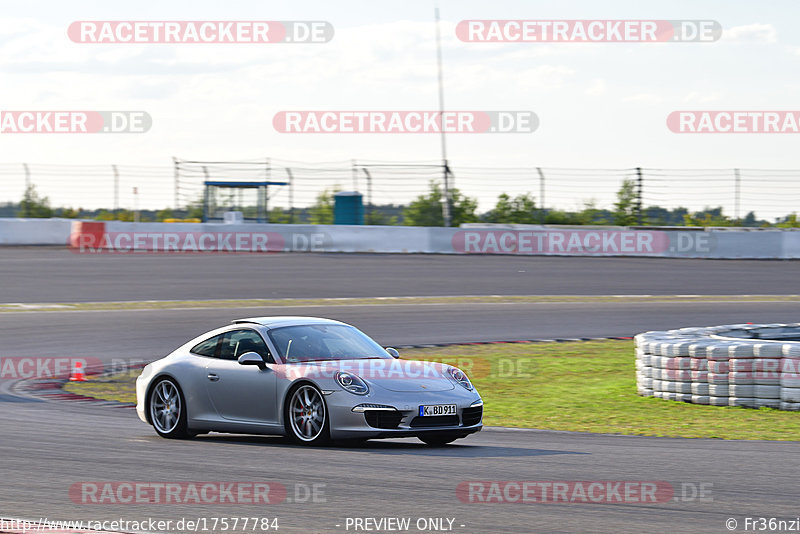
<point>311,379</point>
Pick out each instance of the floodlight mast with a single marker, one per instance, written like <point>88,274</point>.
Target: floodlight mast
<point>446,168</point>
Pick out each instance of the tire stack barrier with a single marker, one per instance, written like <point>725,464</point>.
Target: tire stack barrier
<point>752,366</point>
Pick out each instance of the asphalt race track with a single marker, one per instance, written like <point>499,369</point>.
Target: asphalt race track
<point>46,447</point>
<point>58,275</point>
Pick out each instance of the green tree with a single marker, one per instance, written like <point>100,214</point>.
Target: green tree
<point>591,214</point>
<point>68,213</point>
<point>790,221</point>
<point>378,218</point>
<point>105,215</point>
<point>166,213</point>
<point>278,216</point>
<point>708,217</point>
<point>518,210</point>
<point>34,206</point>
<point>322,210</point>
<point>426,210</point>
<point>625,208</point>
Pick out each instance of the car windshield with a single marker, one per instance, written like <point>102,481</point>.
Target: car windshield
<point>320,342</point>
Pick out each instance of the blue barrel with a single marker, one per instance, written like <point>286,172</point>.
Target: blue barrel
<point>348,208</point>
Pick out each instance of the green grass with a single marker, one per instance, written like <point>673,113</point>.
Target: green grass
<point>119,387</point>
<point>577,386</point>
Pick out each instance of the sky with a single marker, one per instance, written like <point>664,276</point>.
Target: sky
<point>600,105</point>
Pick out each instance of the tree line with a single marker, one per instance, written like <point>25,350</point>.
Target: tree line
<point>426,210</point>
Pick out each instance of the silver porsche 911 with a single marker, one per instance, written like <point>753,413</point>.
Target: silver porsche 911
<point>308,378</point>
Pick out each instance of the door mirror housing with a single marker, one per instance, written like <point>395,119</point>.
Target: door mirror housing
<point>252,358</point>
<point>393,352</point>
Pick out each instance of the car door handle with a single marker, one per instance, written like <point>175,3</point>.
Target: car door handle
<point>213,377</point>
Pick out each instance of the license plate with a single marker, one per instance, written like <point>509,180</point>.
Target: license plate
<point>437,409</point>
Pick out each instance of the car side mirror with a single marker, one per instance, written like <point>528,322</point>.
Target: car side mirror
<point>252,358</point>
<point>393,352</point>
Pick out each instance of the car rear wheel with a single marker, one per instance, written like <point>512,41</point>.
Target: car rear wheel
<point>168,410</point>
<point>306,418</point>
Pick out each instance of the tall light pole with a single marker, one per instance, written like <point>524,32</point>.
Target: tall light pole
<point>446,205</point>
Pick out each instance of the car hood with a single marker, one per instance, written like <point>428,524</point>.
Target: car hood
<point>392,375</point>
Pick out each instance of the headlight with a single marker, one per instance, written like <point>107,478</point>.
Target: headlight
<point>352,383</point>
<point>459,376</point>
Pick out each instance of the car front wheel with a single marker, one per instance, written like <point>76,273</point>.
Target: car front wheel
<point>307,419</point>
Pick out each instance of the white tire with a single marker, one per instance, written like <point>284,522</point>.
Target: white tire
<point>741,390</point>
<point>739,364</point>
<point>790,394</point>
<point>766,392</point>
<point>718,390</point>
<point>718,352</point>
<point>700,349</point>
<point>683,387</point>
<point>647,392</point>
<point>767,403</point>
<point>656,373</point>
<point>671,396</point>
<point>646,359</point>
<point>740,377</point>
<point>767,350</point>
<point>663,349</point>
<point>700,376</point>
<point>767,365</point>
<point>700,399</point>
<point>658,385</point>
<point>740,350</point>
<point>683,397</point>
<point>718,401</point>
<point>744,402</point>
<point>764,378</point>
<point>718,367</point>
<point>676,375</point>
<point>647,383</point>
<point>680,349</point>
<point>790,372</point>
<point>715,378</point>
<point>668,386</point>
<point>790,406</point>
<point>699,364</point>
<point>700,389</point>
<point>791,350</point>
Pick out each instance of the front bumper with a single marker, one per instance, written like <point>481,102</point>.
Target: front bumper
<point>396,415</point>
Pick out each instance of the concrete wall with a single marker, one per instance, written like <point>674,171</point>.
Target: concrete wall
<point>122,237</point>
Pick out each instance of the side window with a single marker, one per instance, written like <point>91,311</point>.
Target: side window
<point>207,347</point>
<point>237,342</point>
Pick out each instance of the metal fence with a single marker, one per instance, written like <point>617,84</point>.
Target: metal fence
<point>770,193</point>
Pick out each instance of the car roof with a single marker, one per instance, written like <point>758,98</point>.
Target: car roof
<point>286,320</point>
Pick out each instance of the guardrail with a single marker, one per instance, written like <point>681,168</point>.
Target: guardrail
<point>745,365</point>
<point>125,237</point>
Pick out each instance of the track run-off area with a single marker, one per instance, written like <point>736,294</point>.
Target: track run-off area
<point>56,303</point>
